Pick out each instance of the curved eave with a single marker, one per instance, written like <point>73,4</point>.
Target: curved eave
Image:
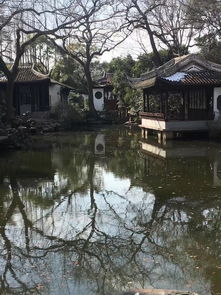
<point>145,83</point>
<point>61,84</point>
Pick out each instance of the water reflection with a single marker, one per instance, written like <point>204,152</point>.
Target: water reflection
<point>102,213</point>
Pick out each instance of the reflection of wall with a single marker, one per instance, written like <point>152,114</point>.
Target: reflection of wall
<point>99,146</point>
<point>217,173</point>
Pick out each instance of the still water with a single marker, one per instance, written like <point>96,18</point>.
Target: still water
<point>102,212</point>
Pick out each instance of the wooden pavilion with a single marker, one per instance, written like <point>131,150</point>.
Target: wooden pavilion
<point>183,95</point>
<point>35,92</point>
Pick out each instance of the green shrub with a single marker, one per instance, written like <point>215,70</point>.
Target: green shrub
<point>68,115</point>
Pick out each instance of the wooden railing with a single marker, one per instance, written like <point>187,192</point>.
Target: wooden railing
<point>193,116</point>
<point>159,116</point>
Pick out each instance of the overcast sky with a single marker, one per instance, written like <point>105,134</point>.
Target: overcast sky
<point>133,47</point>
<point>129,46</point>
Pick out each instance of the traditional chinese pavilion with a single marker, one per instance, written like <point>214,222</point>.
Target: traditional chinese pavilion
<point>183,95</point>
<point>35,92</point>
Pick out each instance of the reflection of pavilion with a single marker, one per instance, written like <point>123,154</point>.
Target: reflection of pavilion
<point>173,151</point>
<point>179,164</point>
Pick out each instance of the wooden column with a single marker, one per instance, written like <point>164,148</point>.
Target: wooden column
<point>166,105</point>
<point>161,102</point>
<point>167,135</point>
<point>144,100</point>
<point>186,104</point>
<point>144,133</point>
<point>160,137</point>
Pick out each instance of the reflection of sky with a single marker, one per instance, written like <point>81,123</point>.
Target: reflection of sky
<point>113,183</point>
<point>117,204</point>
<point>118,207</point>
<point>122,212</point>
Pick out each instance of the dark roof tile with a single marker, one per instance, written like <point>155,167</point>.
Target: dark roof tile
<point>27,74</point>
<point>193,78</point>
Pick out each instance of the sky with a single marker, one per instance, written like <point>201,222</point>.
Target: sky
<point>129,46</point>
<point>133,47</point>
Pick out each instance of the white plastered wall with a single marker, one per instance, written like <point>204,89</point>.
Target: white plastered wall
<point>217,92</point>
<point>54,95</point>
<point>98,103</point>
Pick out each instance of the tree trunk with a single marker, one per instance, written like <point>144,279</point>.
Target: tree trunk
<point>157,57</point>
<point>92,111</point>
<point>9,99</point>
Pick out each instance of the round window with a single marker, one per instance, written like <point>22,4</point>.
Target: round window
<point>100,147</point>
<point>98,94</point>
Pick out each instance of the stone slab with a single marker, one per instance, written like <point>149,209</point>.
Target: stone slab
<point>159,292</point>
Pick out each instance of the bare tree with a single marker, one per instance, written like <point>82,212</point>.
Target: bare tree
<point>172,27</point>
<point>166,24</point>
<point>27,22</point>
<point>205,16</point>
<point>137,15</point>
<point>99,30</point>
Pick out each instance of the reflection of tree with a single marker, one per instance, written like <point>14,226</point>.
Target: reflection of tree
<point>10,269</point>
<point>97,255</point>
<point>104,239</point>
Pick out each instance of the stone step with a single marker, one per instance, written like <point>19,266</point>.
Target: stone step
<point>159,292</point>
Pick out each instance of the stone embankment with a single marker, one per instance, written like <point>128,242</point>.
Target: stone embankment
<point>19,133</point>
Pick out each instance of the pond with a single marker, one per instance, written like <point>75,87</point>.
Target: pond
<point>102,212</point>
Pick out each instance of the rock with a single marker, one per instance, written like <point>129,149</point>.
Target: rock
<point>18,133</point>
<point>22,129</point>
<point>3,132</point>
<point>3,139</point>
<point>33,130</point>
<point>16,122</point>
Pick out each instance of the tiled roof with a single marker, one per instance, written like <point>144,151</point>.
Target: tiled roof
<point>105,80</point>
<point>193,78</point>
<point>27,74</point>
<point>199,72</point>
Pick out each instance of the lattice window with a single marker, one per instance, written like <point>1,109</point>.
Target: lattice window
<point>198,99</point>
